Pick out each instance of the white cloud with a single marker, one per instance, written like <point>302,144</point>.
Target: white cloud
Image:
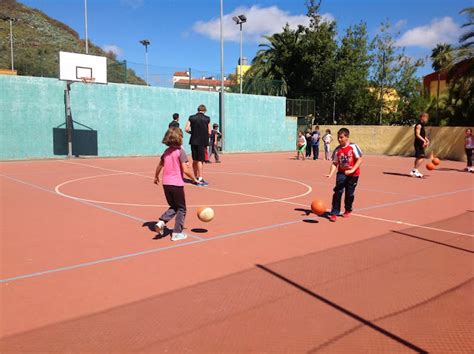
<point>113,48</point>
<point>135,4</point>
<point>260,21</point>
<point>400,24</point>
<point>443,30</point>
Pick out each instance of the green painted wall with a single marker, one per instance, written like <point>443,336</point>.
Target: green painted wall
<point>130,120</point>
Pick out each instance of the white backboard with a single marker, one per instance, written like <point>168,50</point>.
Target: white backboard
<point>74,66</point>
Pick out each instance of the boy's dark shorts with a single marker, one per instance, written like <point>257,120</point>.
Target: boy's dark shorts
<point>198,152</point>
<point>419,151</point>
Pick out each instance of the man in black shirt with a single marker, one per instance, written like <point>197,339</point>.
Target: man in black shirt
<point>175,121</point>
<point>421,142</point>
<point>199,126</point>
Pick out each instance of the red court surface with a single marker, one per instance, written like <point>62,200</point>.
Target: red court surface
<point>82,271</point>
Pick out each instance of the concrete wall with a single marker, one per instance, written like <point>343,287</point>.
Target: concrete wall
<point>446,142</point>
<point>130,120</point>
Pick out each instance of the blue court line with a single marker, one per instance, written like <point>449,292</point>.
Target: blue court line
<point>199,239</point>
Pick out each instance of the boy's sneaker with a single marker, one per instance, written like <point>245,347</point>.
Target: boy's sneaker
<point>346,214</point>
<point>160,227</point>
<point>470,169</point>
<point>178,236</point>
<point>332,218</point>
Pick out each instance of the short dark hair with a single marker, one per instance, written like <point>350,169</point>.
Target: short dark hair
<point>422,114</point>
<point>344,131</point>
<point>173,137</point>
<point>202,108</point>
<point>215,125</point>
<point>175,116</point>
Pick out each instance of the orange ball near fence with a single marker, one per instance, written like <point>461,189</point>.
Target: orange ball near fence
<point>318,207</point>
<point>436,161</point>
<point>205,214</point>
<point>430,166</point>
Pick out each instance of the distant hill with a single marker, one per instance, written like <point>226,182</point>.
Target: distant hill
<point>38,39</point>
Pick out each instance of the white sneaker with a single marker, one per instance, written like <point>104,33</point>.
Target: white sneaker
<point>160,227</point>
<point>418,174</point>
<point>470,169</point>
<point>178,236</point>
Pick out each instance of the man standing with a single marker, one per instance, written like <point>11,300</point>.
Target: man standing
<point>199,126</point>
<point>421,142</point>
<point>175,122</point>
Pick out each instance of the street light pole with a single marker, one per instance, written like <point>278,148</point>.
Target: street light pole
<point>11,41</point>
<point>239,20</point>
<point>221,94</point>
<point>146,43</point>
<point>85,25</point>
<point>240,66</point>
<point>10,20</point>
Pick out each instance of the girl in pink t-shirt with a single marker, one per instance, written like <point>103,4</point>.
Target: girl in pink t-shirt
<point>173,162</point>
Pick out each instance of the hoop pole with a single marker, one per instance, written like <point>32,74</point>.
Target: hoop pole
<point>69,128</point>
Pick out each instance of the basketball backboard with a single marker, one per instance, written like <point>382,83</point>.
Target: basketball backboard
<point>76,67</point>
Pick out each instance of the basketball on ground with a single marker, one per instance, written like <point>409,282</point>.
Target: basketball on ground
<point>205,214</point>
<point>436,161</point>
<point>318,207</point>
<point>430,166</point>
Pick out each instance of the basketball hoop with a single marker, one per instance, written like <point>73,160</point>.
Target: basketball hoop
<point>87,80</point>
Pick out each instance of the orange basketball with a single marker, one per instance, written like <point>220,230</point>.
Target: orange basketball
<point>436,161</point>
<point>205,214</point>
<point>430,166</point>
<point>318,207</point>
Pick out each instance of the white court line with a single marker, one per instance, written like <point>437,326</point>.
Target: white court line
<point>199,240</point>
<point>382,206</point>
<point>154,250</point>
<point>130,216</point>
<point>264,199</point>
<point>413,225</point>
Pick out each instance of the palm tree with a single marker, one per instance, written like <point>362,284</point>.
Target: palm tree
<point>460,101</point>
<point>465,51</point>
<point>441,56</point>
<point>275,61</point>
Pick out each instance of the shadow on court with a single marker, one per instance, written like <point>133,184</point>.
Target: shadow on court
<point>404,291</point>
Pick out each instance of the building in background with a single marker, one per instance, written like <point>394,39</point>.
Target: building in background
<point>440,80</point>
<point>245,67</point>
<point>182,80</point>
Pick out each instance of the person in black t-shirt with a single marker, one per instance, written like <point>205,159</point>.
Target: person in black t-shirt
<point>421,142</point>
<point>215,136</point>
<point>199,126</point>
<point>175,122</point>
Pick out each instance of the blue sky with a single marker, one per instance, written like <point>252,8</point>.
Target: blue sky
<point>185,33</point>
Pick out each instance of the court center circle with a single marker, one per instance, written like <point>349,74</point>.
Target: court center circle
<point>309,189</point>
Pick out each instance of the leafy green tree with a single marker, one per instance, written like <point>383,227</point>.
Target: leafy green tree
<point>318,69</point>
<point>352,97</point>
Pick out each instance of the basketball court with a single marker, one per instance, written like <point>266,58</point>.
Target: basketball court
<point>83,270</point>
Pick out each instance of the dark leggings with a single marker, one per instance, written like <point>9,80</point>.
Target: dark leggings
<point>175,198</point>
<point>469,157</point>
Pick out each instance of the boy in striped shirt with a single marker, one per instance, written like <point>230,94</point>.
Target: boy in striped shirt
<point>346,158</point>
